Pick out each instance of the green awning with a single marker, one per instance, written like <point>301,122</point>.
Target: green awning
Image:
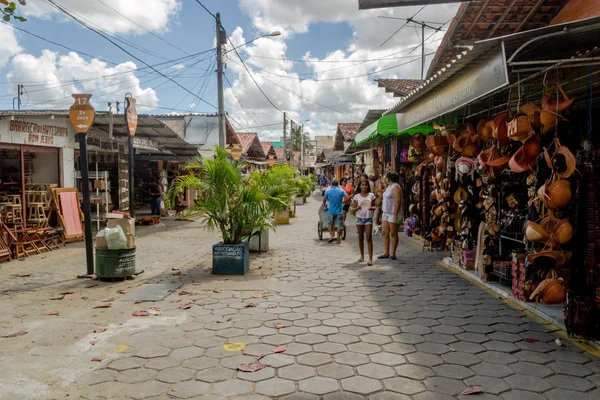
<point>388,125</point>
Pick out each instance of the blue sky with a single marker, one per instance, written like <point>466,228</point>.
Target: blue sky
<point>336,35</point>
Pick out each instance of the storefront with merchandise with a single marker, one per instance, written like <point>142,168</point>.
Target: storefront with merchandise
<point>507,184</point>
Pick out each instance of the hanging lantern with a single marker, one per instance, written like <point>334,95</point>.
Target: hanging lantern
<point>236,151</point>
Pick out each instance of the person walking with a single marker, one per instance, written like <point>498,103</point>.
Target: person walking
<point>392,201</point>
<point>156,197</point>
<point>336,196</point>
<point>347,187</point>
<point>363,204</point>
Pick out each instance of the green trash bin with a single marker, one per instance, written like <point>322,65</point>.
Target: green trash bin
<point>115,263</point>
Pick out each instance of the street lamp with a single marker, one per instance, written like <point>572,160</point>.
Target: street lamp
<point>274,33</point>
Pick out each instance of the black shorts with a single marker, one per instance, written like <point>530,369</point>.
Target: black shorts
<point>346,207</point>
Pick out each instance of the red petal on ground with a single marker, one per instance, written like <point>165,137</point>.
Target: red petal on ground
<point>96,359</point>
<point>175,301</point>
<point>16,334</point>
<point>184,292</point>
<point>529,340</point>
<point>272,305</point>
<point>66,293</point>
<point>255,366</point>
<point>57,297</point>
<point>185,306</point>
<point>52,313</point>
<point>93,342</point>
<point>249,305</point>
<point>109,300</point>
<point>140,313</point>
<point>474,389</point>
<point>91,285</point>
<point>280,349</point>
<point>399,284</point>
<point>216,290</point>
<point>223,320</point>
<point>279,325</point>
<point>100,330</point>
<point>258,295</point>
<point>103,305</point>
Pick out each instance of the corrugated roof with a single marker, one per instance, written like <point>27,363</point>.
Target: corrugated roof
<point>400,87</point>
<point>480,20</point>
<point>372,116</point>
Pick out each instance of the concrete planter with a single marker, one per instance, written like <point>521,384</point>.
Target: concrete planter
<point>293,210</point>
<point>260,243</point>
<point>283,217</point>
<point>231,259</point>
<point>300,200</point>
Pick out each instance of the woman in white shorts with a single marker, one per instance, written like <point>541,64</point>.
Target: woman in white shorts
<point>392,200</point>
<point>363,204</point>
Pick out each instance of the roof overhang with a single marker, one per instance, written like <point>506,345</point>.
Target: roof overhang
<point>369,4</point>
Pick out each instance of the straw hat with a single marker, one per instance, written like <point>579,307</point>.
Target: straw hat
<point>518,162</point>
<point>519,129</point>
<point>562,162</point>
<point>460,195</point>
<point>417,141</point>
<point>485,130</point>
<point>550,103</point>
<point>465,166</point>
<point>558,194</point>
<point>550,119</point>
<point>558,257</point>
<point>500,129</point>
<point>529,109</point>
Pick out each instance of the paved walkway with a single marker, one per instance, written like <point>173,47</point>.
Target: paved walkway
<point>352,332</point>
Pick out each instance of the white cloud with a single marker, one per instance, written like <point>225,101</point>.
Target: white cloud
<point>341,80</point>
<point>51,79</point>
<point>153,15</point>
<point>177,67</point>
<point>10,46</point>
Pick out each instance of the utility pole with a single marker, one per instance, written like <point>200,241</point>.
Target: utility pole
<point>18,98</point>
<point>422,51</point>
<point>302,141</point>
<point>221,116</point>
<point>285,137</point>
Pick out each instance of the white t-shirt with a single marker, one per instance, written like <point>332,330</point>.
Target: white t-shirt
<point>364,205</point>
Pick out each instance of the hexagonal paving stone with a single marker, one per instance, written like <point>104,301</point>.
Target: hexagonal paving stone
<point>375,371</point>
<point>123,364</point>
<point>100,376</point>
<point>343,338</point>
<point>399,348</point>
<point>433,348</point>
<point>444,385</point>
<point>335,371</point>
<point>185,353</point>
<point>186,390</point>
<point>459,358</point>
<point>495,357</point>
<point>412,371</point>
<point>571,383</point>
<point>209,342</point>
<point>296,372</point>
<point>499,346</point>
<point>408,338</point>
<point>567,368</point>
<point>361,385</point>
<point>275,387</point>
<point>453,371</point>
<point>162,363</point>
<point>390,359</point>
<point>424,359</point>
<point>220,352</point>
<point>261,375</point>
<point>232,387</point>
<point>324,330</point>
<point>364,348</point>
<point>472,337</point>
<point>217,374</point>
<point>310,338</point>
<point>389,396</point>
<point>563,394</point>
<point>295,349</point>
<point>318,385</point>
<point>258,349</point>
<point>278,360</point>
<point>330,348</point>
<point>404,385</point>
<point>153,352</point>
<point>230,332</point>
<point>200,363</point>
<point>530,383</point>
<point>351,358</point>
<point>490,385</point>
<point>135,375</point>
<point>355,330</point>
<point>146,389</point>
<point>175,374</point>
<point>522,395</point>
<point>314,359</point>
<point>177,343</point>
<point>366,322</point>
<point>233,362</point>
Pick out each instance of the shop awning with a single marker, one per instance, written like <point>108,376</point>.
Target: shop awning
<point>388,125</point>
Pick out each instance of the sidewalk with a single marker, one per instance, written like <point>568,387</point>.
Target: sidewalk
<point>351,331</point>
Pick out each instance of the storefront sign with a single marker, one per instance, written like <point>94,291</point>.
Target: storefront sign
<point>145,144</point>
<point>131,115</point>
<point>38,133</point>
<point>463,88</point>
<point>82,113</point>
<point>310,160</point>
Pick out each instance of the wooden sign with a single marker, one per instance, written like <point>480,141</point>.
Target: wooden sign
<point>82,113</point>
<point>131,116</point>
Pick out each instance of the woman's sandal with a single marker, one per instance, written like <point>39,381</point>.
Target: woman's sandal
<point>369,263</point>
<point>393,258</point>
<point>382,257</point>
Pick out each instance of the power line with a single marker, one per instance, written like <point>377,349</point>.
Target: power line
<point>399,29</point>
<point>127,52</point>
<point>206,9</point>
<point>150,32</point>
<point>239,101</point>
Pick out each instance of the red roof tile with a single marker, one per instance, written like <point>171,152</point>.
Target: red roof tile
<point>349,130</point>
<point>493,18</point>
<point>251,146</point>
<point>400,87</point>
<point>268,149</point>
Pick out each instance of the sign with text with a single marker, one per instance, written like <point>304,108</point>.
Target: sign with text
<point>131,115</point>
<point>82,113</point>
<point>462,89</point>
<point>37,131</point>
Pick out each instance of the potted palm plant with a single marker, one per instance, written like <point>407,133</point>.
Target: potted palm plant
<point>233,204</point>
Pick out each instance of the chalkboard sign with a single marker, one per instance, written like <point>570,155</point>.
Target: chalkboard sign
<point>228,251</point>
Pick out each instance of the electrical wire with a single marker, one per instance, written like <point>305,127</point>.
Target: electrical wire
<point>206,9</point>
<point>408,20</point>
<point>150,32</point>
<point>127,52</point>
<point>239,101</point>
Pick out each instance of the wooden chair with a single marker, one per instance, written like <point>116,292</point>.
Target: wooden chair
<point>24,245</point>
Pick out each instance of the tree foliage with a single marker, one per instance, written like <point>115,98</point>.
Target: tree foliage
<point>296,138</point>
<point>9,10</point>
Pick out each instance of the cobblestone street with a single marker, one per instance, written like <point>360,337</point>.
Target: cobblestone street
<point>406,329</point>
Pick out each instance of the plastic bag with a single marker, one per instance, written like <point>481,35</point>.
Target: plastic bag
<point>115,238</point>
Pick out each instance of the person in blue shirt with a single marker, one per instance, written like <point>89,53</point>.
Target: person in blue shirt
<point>335,221</point>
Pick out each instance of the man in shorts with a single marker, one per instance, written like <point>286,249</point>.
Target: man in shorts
<point>336,196</point>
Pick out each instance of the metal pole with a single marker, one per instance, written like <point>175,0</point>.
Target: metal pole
<point>302,141</point>
<point>19,97</point>
<point>422,50</point>
<point>131,178</point>
<point>87,215</point>
<point>222,134</point>
<point>284,137</point>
